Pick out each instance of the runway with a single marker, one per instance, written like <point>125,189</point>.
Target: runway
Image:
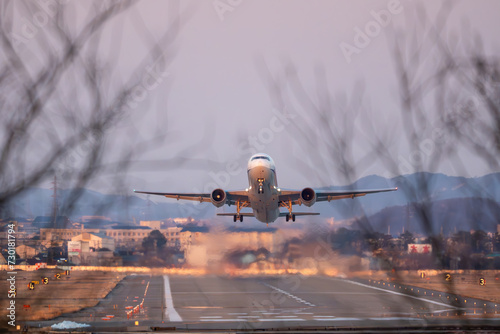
<point>258,302</point>
<point>291,298</point>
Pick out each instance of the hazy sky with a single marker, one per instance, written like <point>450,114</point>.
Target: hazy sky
<point>214,96</point>
<point>214,89</point>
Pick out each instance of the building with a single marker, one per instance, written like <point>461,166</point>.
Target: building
<point>26,252</point>
<point>63,234</point>
<point>86,219</point>
<point>173,236</point>
<point>180,221</point>
<point>128,235</point>
<point>153,224</point>
<point>51,222</point>
<point>23,227</point>
<point>92,249</point>
<point>102,258</point>
<point>124,236</point>
<point>93,240</point>
<point>134,235</point>
<point>419,248</point>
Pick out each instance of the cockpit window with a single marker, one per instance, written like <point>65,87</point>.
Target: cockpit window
<point>261,157</point>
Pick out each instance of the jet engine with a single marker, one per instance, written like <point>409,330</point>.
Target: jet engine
<point>218,197</point>
<point>308,196</point>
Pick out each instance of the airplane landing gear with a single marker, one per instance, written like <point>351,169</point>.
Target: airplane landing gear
<point>237,216</point>
<point>290,214</point>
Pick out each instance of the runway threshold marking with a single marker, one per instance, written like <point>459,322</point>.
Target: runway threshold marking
<point>398,293</point>
<point>170,311</point>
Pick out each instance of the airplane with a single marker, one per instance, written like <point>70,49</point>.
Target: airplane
<point>264,196</point>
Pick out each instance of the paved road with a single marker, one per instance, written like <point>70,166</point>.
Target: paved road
<point>225,302</point>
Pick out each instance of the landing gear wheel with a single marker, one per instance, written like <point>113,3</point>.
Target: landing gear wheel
<point>241,219</point>
<point>234,218</point>
<point>289,207</point>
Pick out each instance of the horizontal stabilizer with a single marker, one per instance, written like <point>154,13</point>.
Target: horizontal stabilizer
<point>244,214</point>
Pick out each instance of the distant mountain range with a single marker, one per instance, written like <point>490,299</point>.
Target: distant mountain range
<point>447,216</point>
<point>458,202</point>
<point>412,188</point>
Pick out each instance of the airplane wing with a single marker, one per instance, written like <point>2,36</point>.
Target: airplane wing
<point>340,194</point>
<point>294,195</point>
<point>286,197</point>
<point>232,196</point>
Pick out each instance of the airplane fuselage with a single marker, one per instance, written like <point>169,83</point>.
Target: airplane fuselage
<point>263,189</point>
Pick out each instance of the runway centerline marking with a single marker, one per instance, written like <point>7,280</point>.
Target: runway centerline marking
<point>399,293</point>
<point>170,311</point>
<point>298,299</point>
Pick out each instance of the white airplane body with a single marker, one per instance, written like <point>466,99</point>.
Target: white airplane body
<point>264,196</point>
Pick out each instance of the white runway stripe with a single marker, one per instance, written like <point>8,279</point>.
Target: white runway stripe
<point>300,300</point>
<point>222,320</point>
<point>297,319</point>
<point>399,294</point>
<point>170,310</point>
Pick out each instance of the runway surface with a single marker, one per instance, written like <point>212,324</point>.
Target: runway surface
<point>258,302</point>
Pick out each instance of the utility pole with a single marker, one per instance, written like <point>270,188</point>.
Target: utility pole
<point>148,209</point>
<point>29,212</point>
<point>408,217</point>
<point>55,207</point>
